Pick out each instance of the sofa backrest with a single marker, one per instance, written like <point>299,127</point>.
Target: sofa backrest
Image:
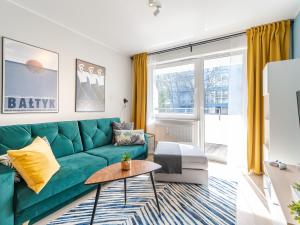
<point>96,133</point>
<point>64,137</point>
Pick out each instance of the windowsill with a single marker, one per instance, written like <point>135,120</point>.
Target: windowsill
<point>193,119</point>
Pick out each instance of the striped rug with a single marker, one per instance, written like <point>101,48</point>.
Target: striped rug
<point>180,204</point>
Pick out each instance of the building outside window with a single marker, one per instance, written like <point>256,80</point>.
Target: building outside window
<point>216,80</point>
<point>174,90</point>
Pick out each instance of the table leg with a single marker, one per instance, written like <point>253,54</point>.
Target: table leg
<point>154,189</point>
<point>96,202</point>
<point>125,191</point>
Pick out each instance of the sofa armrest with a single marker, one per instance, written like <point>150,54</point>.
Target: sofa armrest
<point>147,138</point>
<point>6,195</point>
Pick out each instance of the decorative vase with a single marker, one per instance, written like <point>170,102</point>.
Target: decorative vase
<point>126,165</point>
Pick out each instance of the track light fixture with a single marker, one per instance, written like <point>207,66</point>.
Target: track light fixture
<point>156,5</point>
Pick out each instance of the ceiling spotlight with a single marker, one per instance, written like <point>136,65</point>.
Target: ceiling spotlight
<point>155,4</point>
<point>156,11</point>
<point>151,3</point>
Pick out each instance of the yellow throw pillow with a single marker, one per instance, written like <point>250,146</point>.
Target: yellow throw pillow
<point>35,163</point>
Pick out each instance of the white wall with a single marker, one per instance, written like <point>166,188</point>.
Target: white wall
<point>22,25</point>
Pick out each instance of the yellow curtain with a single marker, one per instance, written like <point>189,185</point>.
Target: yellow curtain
<point>266,43</point>
<point>140,90</point>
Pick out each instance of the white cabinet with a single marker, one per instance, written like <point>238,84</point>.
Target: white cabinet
<point>281,80</point>
<point>277,187</point>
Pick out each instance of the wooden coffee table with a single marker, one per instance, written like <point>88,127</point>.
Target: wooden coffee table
<point>114,172</point>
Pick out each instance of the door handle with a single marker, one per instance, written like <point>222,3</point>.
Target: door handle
<point>219,111</point>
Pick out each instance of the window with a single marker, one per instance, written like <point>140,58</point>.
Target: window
<point>202,92</point>
<point>174,90</point>
<point>217,79</point>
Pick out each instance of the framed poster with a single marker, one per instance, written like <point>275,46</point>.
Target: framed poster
<point>90,87</point>
<point>30,78</point>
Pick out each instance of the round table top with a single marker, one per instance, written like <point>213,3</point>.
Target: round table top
<point>114,171</point>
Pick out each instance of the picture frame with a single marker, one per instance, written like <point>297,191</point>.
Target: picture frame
<point>90,87</point>
<point>30,78</point>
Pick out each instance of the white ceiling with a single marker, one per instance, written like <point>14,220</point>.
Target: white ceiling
<point>129,27</point>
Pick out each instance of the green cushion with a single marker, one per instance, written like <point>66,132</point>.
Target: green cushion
<point>6,195</point>
<point>50,205</point>
<point>74,169</point>
<point>64,137</point>
<point>96,133</point>
<point>113,154</point>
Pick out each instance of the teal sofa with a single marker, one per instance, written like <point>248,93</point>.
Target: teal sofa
<point>80,147</point>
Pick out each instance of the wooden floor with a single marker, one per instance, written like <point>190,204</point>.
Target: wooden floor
<point>216,152</point>
<point>251,204</point>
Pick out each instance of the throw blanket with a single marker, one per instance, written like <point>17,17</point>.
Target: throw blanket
<point>168,155</point>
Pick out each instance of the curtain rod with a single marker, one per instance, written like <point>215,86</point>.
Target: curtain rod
<point>191,45</point>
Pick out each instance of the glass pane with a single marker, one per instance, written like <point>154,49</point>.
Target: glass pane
<point>216,80</point>
<point>222,103</point>
<point>174,89</point>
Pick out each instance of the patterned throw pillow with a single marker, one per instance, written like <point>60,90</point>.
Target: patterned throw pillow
<point>121,126</point>
<point>46,140</point>
<point>6,161</point>
<point>129,137</point>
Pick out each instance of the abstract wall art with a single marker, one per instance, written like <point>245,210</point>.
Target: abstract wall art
<point>90,87</point>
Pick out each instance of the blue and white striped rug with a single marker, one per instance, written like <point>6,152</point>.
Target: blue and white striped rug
<point>182,204</point>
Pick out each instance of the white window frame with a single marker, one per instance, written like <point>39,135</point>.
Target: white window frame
<point>201,86</point>
<point>199,95</point>
<point>174,116</point>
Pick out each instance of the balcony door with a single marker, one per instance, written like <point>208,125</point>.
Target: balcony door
<point>201,100</point>
<point>224,106</point>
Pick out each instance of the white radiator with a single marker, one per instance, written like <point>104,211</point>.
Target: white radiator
<point>177,131</point>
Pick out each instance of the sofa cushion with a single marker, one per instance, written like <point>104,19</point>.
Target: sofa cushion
<point>64,137</point>
<point>44,208</point>
<point>96,133</point>
<point>6,195</point>
<point>113,154</point>
<point>75,169</point>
